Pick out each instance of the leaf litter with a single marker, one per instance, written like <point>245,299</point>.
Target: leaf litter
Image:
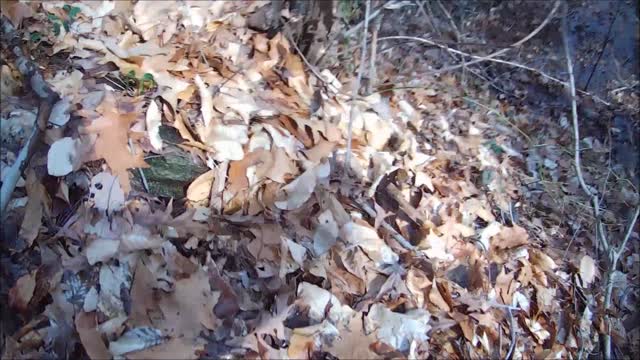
<point>271,253</point>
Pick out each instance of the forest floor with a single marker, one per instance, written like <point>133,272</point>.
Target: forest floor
<point>201,182</point>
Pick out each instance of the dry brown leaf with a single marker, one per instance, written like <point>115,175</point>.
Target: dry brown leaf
<point>200,188</point>
<point>112,143</point>
<point>189,307</point>
<point>436,298</point>
<point>21,293</point>
<point>90,337</point>
<point>34,210</point>
<point>510,237</point>
<point>16,12</point>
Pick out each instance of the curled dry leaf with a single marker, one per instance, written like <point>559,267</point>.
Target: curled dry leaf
<point>200,188</point>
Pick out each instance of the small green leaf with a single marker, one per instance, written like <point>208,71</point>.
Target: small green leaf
<point>497,149</point>
<point>35,36</point>
<point>74,12</point>
<point>53,18</point>
<point>56,28</point>
<point>66,25</point>
<point>66,7</point>
<point>147,77</point>
<point>131,74</point>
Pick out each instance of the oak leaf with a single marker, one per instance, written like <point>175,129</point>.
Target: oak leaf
<point>111,144</point>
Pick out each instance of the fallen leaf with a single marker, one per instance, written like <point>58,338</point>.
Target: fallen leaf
<point>62,157</point>
<point>511,237</point>
<point>318,300</point>
<point>112,143</point>
<point>106,193</point>
<point>90,337</point>
<point>22,292</point>
<point>30,227</point>
<point>398,330</point>
<point>200,188</point>
<point>588,270</point>
<point>153,121</point>
<point>297,192</point>
<point>136,339</point>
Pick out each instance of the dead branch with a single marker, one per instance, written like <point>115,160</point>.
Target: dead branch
<point>48,98</point>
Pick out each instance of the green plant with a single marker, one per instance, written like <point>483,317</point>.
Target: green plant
<point>349,10</point>
<point>146,82</point>
<point>71,12</point>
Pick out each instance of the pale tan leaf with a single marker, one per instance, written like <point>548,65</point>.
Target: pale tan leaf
<point>200,188</point>
<point>30,227</point>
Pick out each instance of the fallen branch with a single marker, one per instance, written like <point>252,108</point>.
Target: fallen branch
<point>48,98</point>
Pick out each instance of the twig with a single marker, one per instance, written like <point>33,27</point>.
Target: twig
<point>604,46</point>
<point>48,98</point>
<point>311,67</point>
<point>356,87</point>
<point>627,235</point>
<point>407,208</point>
<point>458,38</point>
<point>512,335</point>
<point>145,184</point>
<point>399,238</point>
<point>484,58</point>
<point>372,60</point>
<point>519,43</point>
